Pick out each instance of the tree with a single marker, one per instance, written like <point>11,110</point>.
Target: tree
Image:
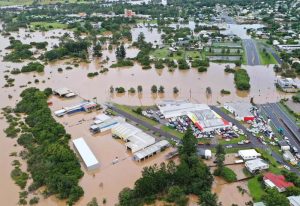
<point>208,199</point>
<point>154,89</point>
<point>97,50</point>
<point>141,38</point>
<point>175,90</point>
<point>122,51</point>
<point>111,89</point>
<point>189,143</point>
<point>292,191</point>
<point>140,89</point>
<point>274,198</point>
<point>93,202</point>
<point>161,89</point>
<point>220,157</point>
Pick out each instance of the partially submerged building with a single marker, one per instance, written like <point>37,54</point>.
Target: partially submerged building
<point>256,165</point>
<point>89,159</point>
<point>102,126</point>
<point>86,106</point>
<point>242,111</point>
<point>64,92</point>
<point>151,150</point>
<point>135,138</point>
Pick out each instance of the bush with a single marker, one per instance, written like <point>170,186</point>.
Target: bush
<point>242,79</point>
<point>223,91</point>
<point>183,65</point>
<point>227,173</point>
<point>92,74</point>
<point>33,66</point>
<point>120,90</point>
<point>159,64</point>
<point>19,177</point>
<point>202,69</point>
<point>229,70</point>
<point>122,63</point>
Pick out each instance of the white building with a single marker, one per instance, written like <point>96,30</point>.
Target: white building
<point>102,126</point>
<point>294,200</point>
<point>286,83</point>
<point>151,150</point>
<point>172,108</point>
<point>90,161</point>
<point>135,138</point>
<point>248,154</point>
<point>256,165</point>
<point>240,110</point>
<point>288,156</point>
<point>64,92</point>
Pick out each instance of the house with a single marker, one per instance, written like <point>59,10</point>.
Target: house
<point>286,83</point>
<point>256,165</point>
<point>64,92</point>
<point>294,200</point>
<point>242,111</point>
<point>284,145</point>
<point>276,181</point>
<point>248,154</point>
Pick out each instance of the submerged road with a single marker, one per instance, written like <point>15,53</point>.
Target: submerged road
<point>251,52</point>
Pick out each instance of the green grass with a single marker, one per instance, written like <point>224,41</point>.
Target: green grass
<point>172,131</point>
<point>165,53</point>
<point>47,25</point>
<point>128,109</point>
<point>233,140</point>
<point>265,60</point>
<point>274,166</point>
<point>285,108</point>
<point>244,59</point>
<point>160,53</point>
<point>256,189</point>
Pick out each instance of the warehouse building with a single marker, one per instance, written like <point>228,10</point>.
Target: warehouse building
<point>85,106</point>
<point>151,150</point>
<point>256,165</point>
<point>172,108</point>
<point>64,92</point>
<point>135,138</point>
<point>106,124</point>
<point>240,110</point>
<point>90,161</point>
<point>248,154</point>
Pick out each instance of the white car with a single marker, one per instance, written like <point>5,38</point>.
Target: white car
<point>229,146</point>
<point>287,167</point>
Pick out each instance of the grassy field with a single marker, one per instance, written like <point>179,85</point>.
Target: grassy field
<point>29,2</point>
<point>265,60</point>
<point>165,53</point>
<point>128,110</point>
<point>256,189</point>
<point>233,140</point>
<point>47,25</point>
<point>172,131</point>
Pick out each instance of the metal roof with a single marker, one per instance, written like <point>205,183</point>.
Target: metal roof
<point>86,154</point>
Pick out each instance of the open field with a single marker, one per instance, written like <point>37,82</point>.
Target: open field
<point>255,188</point>
<point>165,53</point>
<point>47,25</point>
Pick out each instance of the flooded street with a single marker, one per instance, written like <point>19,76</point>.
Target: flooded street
<point>191,84</point>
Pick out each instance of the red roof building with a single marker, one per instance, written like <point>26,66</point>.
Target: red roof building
<point>276,181</point>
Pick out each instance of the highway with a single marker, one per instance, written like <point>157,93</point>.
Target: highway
<point>275,113</point>
<point>251,52</point>
<point>255,143</point>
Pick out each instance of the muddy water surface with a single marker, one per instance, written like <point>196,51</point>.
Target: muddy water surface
<point>191,84</point>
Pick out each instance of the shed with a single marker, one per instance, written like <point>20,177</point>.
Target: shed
<point>89,159</point>
<point>284,145</point>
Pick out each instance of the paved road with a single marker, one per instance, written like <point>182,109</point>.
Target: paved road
<point>143,123</point>
<point>254,141</point>
<point>275,113</point>
<point>251,52</point>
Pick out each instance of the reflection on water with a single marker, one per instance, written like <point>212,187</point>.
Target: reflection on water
<point>191,84</point>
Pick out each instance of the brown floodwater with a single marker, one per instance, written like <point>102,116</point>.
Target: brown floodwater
<point>191,84</point>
